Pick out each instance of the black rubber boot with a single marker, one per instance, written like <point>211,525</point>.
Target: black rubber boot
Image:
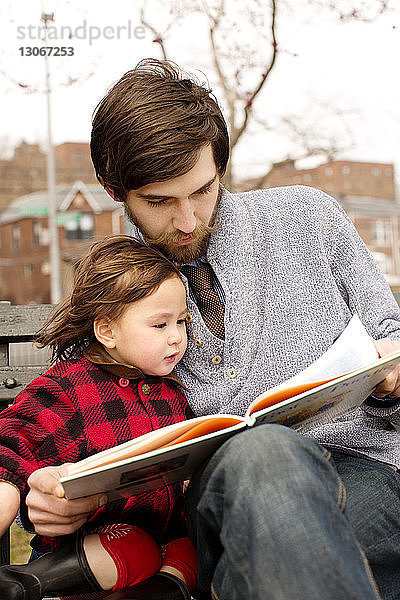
<point>63,572</point>
<point>162,586</point>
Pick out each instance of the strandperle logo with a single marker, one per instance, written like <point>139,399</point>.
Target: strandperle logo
<point>82,32</point>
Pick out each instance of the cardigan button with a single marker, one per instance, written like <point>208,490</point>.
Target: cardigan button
<point>216,360</point>
<point>123,382</point>
<point>146,389</point>
<point>232,373</point>
<point>197,342</point>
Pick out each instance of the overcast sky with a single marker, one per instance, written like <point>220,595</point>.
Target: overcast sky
<point>338,79</point>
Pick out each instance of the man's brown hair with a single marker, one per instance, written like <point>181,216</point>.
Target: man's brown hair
<point>117,271</point>
<point>152,125</point>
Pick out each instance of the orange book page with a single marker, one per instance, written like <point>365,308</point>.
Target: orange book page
<point>217,424</point>
<point>275,397</point>
<point>190,431</point>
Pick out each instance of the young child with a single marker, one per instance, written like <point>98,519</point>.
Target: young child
<point>116,340</point>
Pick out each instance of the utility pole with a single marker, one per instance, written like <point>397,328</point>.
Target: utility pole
<point>54,249</point>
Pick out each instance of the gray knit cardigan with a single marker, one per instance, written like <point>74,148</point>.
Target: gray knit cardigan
<point>294,270</point>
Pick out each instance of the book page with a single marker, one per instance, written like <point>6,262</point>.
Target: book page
<point>353,349</point>
<point>331,400</point>
<point>148,471</point>
<point>155,440</point>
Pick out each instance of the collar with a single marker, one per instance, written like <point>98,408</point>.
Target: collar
<point>98,355</point>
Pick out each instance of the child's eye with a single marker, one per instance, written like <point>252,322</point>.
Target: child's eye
<point>160,325</point>
<point>181,321</point>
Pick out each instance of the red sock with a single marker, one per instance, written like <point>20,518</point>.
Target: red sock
<point>134,552</point>
<point>181,555</point>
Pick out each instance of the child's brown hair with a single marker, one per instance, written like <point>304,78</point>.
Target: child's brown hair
<point>117,271</point>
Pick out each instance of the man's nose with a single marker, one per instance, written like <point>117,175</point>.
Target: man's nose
<point>184,218</point>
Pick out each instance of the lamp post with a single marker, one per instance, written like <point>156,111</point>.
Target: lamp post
<point>55,279</point>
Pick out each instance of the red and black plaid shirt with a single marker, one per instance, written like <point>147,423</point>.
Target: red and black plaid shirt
<point>77,409</point>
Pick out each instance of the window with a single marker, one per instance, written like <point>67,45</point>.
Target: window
<point>375,171</point>
<point>384,262</point>
<point>36,233</point>
<point>346,170</point>
<point>28,271</point>
<point>329,171</point>
<point>16,237</point>
<point>307,178</point>
<point>381,232</point>
<point>80,229</point>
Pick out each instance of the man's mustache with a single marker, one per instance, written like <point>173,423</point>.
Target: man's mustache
<point>174,237</point>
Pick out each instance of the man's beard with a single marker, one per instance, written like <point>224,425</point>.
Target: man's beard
<point>166,242</point>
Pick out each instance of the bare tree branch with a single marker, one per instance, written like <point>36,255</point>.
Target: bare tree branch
<point>363,10</point>
<point>242,70</point>
<point>229,95</point>
<point>239,132</point>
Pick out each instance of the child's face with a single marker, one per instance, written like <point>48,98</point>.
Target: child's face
<point>151,333</point>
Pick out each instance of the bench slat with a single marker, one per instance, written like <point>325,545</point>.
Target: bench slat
<point>22,376</point>
<point>20,323</point>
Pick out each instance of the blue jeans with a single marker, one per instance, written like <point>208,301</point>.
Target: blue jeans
<point>273,517</point>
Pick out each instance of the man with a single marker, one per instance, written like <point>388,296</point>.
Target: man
<point>273,278</point>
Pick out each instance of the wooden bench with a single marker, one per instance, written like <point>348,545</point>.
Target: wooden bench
<point>18,324</point>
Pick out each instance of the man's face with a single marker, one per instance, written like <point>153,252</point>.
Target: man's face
<point>175,215</point>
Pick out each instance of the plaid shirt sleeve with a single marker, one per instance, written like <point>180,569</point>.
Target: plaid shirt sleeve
<point>77,409</point>
<point>40,429</point>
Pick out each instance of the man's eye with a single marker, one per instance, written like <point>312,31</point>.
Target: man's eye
<point>159,203</point>
<point>160,325</point>
<point>206,190</point>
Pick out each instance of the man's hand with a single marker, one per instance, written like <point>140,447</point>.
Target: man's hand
<point>390,385</point>
<point>49,511</point>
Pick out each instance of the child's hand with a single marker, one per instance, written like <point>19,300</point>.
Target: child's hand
<point>49,511</point>
<point>9,505</point>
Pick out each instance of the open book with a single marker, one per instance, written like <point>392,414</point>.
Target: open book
<point>340,380</point>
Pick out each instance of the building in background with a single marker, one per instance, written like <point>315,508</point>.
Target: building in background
<point>378,223</point>
<point>26,172</point>
<point>373,180</point>
<point>85,213</point>
<point>366,191</point>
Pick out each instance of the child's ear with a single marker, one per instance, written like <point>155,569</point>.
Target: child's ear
<point>104,332</point>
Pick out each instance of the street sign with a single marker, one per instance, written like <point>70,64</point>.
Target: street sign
<point>33,211</point>
<point>43,211</point>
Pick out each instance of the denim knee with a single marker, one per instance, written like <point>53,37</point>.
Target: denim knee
<point>266,446</point>
<point>268,457</point>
